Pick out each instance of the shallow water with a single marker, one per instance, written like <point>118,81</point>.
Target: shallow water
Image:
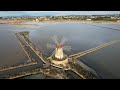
<point>79,36</point>
<point>82,37</point>
<point>11,52</point>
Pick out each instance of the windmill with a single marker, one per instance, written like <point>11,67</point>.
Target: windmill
<point>59,47</point>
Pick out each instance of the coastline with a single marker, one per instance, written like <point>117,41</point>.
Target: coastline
<point>81,21</point>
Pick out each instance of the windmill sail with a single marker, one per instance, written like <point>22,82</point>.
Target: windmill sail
<point>67,48</point>
<point>63,40</point>
<point>55,39</point>
<point>50,46</point>
<point>58,47</point>
<point>53,52</point>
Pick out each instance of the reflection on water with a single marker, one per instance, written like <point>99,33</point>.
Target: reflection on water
<point>79,36</point>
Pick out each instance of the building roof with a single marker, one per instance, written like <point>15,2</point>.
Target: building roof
<point>59,45</point>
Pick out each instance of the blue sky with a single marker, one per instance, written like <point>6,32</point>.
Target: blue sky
<point>55,13</point>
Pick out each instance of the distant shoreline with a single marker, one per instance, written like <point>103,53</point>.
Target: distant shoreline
<point>82,21</point>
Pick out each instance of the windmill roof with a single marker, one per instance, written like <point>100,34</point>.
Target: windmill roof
<point>59,45</point>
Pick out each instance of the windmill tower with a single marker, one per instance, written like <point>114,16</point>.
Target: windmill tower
<point>59,51</point>
<point>58,57</point>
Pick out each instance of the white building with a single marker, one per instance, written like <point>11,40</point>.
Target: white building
<point>59,52</point>
<point>88,19</point>
<point>60,57</point>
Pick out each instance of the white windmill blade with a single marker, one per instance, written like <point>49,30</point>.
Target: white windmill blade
<point>50,46</point>
<point>67,48</point>
<point>63,40</point>
<point>53,52</point>
<point>55,39</point>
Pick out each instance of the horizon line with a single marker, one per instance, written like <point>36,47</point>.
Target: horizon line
<point>57,15</point>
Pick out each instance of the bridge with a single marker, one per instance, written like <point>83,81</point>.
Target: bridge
<point>80,54</point>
